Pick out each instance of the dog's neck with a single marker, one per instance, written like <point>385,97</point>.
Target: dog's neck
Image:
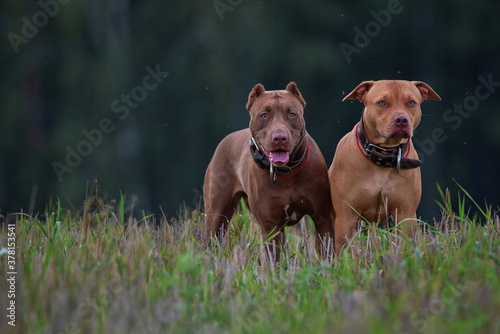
<point>388,157</point>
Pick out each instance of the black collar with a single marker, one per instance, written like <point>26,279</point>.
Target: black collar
<point>389,157</point>
<point>297,159</point>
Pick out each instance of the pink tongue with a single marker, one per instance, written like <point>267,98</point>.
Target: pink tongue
<point>279,156</point>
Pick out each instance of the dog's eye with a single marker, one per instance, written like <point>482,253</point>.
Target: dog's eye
<point>412,103</point>
<point>292,114</point>
<point>263,115</point>
<point>382,102</point>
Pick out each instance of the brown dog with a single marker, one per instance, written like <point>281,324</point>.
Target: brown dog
<point>275,166</point>
<point>375,172</point>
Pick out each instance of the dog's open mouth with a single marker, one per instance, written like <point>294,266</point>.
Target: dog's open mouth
<point>279,157</point>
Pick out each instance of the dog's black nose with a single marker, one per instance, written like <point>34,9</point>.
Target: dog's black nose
<point>401,121</point>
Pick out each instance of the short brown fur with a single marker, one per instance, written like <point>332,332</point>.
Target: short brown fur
<point>276,122</point>
<point>360,188</point>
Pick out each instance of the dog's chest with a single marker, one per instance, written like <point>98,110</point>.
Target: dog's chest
<point>380,194</point>
<point>292,214</point>
<point>294,208</point>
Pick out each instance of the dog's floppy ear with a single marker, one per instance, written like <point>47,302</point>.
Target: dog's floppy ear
<point>426,91</point>
<point>360,91</point>
<point>292,88</point>
<point>254,94</point>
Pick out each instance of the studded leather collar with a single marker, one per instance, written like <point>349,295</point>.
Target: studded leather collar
<point>388,157</point>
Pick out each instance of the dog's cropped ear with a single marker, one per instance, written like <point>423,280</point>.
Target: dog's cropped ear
<point>426,91</point>
<point>292,88</point>
<point>254,94</point>
<point>360,91</point>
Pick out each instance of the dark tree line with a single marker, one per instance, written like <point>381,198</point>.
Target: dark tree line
<point>138,94</point>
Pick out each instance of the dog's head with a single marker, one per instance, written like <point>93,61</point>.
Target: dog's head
<point>276,120</point>
<point>392,108</point>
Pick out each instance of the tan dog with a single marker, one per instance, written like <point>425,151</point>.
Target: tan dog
<point>275,166</point>
<point>375,172</point>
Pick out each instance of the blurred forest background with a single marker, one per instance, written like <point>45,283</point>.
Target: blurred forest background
<point>137,94</point>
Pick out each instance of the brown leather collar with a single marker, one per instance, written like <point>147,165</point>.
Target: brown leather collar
<point>297,159</point>
<point>389,157</point>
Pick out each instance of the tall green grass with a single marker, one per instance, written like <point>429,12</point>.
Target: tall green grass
<point>99,270</point>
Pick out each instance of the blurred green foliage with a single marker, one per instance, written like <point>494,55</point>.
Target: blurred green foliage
<point>84,55</point>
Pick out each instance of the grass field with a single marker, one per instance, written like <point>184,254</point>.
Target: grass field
<point>100,271</point>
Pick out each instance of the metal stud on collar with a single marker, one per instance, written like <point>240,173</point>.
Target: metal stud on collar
<point>254,143</point>
<point>398,166</point>
<point>272,173</point>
